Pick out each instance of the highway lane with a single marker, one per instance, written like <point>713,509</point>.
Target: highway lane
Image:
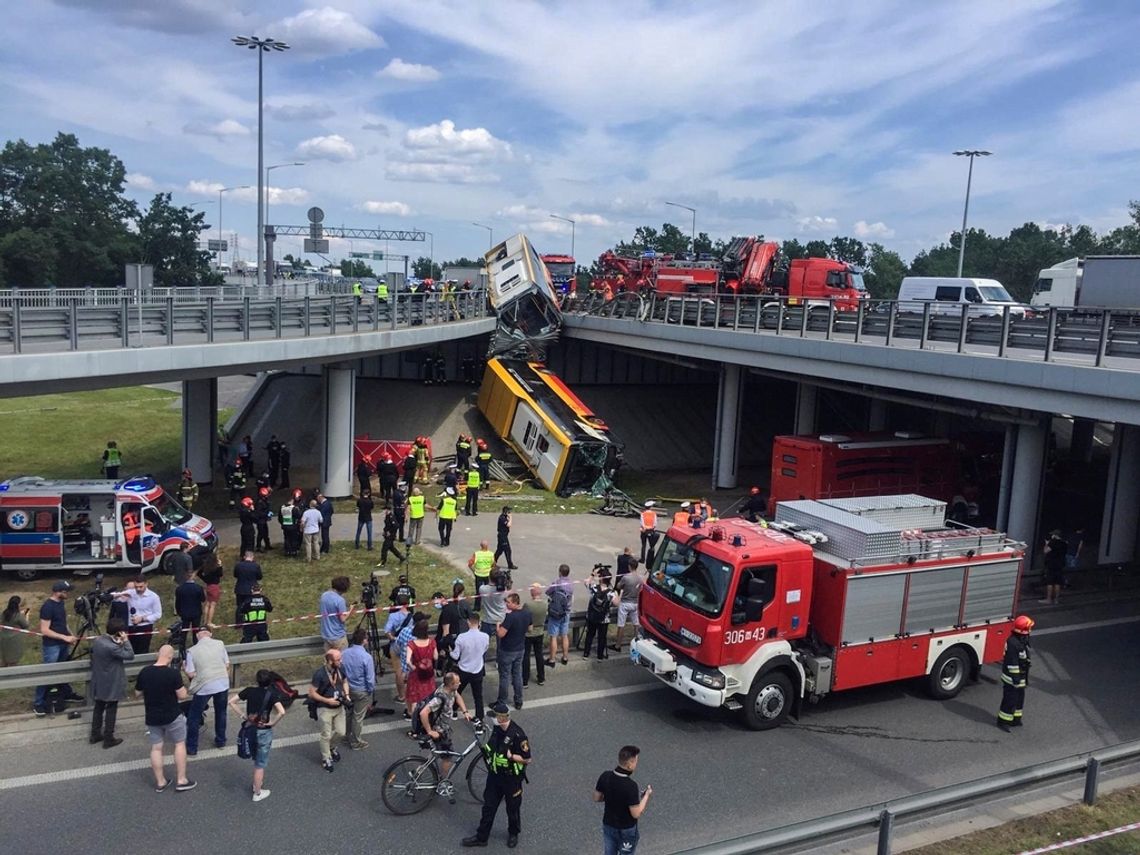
<point>712,778</point>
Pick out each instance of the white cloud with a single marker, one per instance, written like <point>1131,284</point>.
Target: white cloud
<point>333,147</point>
<point>397,209</point>
<point>202,187</point>
<point>443,141</point>
<point>221,130</point>
<point>591,220</point>
<point>863,229</point>
<point>169,16</point>
<point>280,195</point>
<point>138,181</point>
<point>817,224</point>
<point>310,112</point>
<point>441,173</point>
<point>376,126</point>
<point>409,72</point>
<point>326,32</point>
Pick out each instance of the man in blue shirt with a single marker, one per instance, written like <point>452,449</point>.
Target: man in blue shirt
<point>333,610</point>
<point>398,618</point>
<point>358,668</point>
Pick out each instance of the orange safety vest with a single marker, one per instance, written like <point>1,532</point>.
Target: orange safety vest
<point>648,520</point>
<point>681,517</point>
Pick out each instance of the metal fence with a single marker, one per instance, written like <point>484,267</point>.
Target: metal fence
<point>76,324</point>
<point>883,815</point>
<point>1049,331</point>
<point>62,297</point>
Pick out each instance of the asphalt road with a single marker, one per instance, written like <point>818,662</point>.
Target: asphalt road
<point>712,778</point>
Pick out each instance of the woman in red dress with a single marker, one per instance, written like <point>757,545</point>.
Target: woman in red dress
<point>420,656</point>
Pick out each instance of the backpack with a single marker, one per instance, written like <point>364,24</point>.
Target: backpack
<point>559,603</point>
<point>598,609</point>
<point>417,722</point>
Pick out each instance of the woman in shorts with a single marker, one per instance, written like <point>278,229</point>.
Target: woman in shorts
<point>211,574</point>
<point>263,709</point>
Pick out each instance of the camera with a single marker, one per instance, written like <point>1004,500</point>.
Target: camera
<point>503,581</point>
<point>370,592</point>
<point>86,605</point>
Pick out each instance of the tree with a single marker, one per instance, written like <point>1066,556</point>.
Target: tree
<point>792,249</point>
<point>424,268</point>
<point>848,249</point>
<point>74,198</point>
<point>354,267</point>
<point>884,272</point>
<point>462,261</point>
<point>817,249</point>
<point>170,239</point>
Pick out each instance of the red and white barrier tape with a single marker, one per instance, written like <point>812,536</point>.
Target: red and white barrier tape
<point>1088,838</point>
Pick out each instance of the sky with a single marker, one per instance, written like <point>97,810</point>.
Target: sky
<point>789,119</point>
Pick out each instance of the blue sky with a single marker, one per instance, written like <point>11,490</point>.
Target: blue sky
<point>791,119</point>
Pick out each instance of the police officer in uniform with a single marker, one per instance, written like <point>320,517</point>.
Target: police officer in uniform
<point>507,752</point>
<point>1014,674</point>
<point>447,512</point>
<point>471,509</point>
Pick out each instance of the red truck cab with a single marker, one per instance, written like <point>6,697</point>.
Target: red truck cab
<point>823,280</point>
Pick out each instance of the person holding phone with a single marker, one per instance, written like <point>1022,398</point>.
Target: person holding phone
<point>624,803</point>
<point>11,640</point>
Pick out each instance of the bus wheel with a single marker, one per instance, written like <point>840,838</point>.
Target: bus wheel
<point>949,674</point>
<point>769,701</point>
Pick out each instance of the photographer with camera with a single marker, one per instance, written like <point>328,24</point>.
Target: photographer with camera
<point>329,697</point>
<point>109,655</point>
<point>602,598</point>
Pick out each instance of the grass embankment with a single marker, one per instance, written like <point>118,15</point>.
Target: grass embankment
<point>1111,811</point>
<point>293,586</point>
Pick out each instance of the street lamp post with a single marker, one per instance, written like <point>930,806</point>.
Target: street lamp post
<point>970,153</point>
<point>571,222</point>
<point>220,192</point>
<point>692,211</point>
<point>269,169</point>
<point>262,46</point>
<point>490,234</point>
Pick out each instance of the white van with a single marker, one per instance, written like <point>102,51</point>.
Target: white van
<point>947,294</point>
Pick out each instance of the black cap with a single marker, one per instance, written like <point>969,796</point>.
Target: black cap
<point>500,708</point>
<point>61,585</point>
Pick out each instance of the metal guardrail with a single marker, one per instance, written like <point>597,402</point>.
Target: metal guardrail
<point>57,297</point>
<point>884,813</point>
<point>1098,333</point>
<point>75,324</point>
<point>79,670</point>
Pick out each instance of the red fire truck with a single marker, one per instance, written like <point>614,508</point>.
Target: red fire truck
<point>836,594</point>
<point>831,466</point>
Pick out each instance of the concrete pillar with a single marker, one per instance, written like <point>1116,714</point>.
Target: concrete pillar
<point>1008,452</point>
<point>200,427</point>
<point>1081,440</point>
<point>339,422</point>
<point>877,415</point>
<point>1121,498</point>
<point>807,404</point>
<point>727,439</point>
<point>1025,488</point>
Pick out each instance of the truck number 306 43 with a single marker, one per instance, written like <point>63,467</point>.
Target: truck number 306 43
<point>739,636</point>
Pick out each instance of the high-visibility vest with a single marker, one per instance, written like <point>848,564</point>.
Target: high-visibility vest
<point>448,508</point>
<point>416,507</point>
<point>473,479</point>
<point>357,289</point>
<point>648,520</point>
<point>463,445</point>
<point>114,458</point>
<point>287,515</point>
<point>681,517</point>
<point>188,492</point>
<point>484,456</point>
<point>382,290</point>
<point>484,561</point>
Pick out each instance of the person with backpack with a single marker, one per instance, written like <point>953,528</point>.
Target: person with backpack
<point>330,696</point>
<point>419,657</point>
<point>602,598</point>
<point>560,595</point>
<point>432,715</point>
<point>399,619</point>
<point>264,708</point>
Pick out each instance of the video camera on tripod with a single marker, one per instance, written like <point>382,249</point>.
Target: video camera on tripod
<point>87,605</point>
<point>370,591</point>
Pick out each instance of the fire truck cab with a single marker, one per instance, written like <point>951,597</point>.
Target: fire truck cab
<point>836,594</point>
<point>93,525</point>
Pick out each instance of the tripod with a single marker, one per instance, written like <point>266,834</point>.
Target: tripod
<point>374,645</point>
<point>90,614</point>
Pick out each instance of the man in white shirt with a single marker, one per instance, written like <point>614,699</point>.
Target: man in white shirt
<point>144,611</point>
<point>208,667</point>
<point>311,531</point>
<point>469,650</point>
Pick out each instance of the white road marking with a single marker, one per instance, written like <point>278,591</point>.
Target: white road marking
<point>204,754</point>
<point>1079,627</point>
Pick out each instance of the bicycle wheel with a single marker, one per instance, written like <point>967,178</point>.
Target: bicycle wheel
<point>477,776</point>
<point>409,785</point>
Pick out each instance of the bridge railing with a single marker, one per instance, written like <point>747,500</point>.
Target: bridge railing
<point>1000,331</point>
<point>29,298</point>
<point>76,324</point>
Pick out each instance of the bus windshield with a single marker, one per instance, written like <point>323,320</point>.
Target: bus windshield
<point>687,577</point>
<point>171,511</point>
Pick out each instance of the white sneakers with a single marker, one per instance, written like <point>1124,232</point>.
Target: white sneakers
<point>261,796</point>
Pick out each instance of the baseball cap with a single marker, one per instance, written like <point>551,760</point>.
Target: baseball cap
<point>500,708</point>
<point>61,585</point>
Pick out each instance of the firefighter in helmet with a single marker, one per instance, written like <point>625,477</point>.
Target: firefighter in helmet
<point>1014,674</point>
<point>187,490</point>
<point>262,514</point>
<point>483,459</point>
<point>754,506</point>
<point>248,519</point>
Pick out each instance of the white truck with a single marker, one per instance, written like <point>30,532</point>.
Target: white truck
<point>1094,282</point>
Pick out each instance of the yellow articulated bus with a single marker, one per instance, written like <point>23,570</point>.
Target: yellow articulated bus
<point>559,438</point>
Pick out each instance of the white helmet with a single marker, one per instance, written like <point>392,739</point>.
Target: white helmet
<point>685,505</point>
<point>650,503</point>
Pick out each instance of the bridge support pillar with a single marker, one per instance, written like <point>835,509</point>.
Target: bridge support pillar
<point>1025,486</point>
<point>339,411</point>
<point>877,415</point>
<point>807,404</point>
<point>199,427</point>
<point>1121,498</point>
<point>727,427</point>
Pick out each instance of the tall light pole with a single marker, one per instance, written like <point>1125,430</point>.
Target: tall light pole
<point>220,192</point>
<point>692,211</point>
<point>970,153</point>
<point>262,46</point>
<point>490,234</point>
<point>571,222</point>
<point>269,169</point>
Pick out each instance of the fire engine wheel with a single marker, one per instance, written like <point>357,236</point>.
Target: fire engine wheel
<point>769,701</point>
<point>949,674</point>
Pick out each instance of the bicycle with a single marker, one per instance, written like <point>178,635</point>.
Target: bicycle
<point>410,784</point>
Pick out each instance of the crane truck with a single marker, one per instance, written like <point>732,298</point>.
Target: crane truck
<point>834,595</point>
